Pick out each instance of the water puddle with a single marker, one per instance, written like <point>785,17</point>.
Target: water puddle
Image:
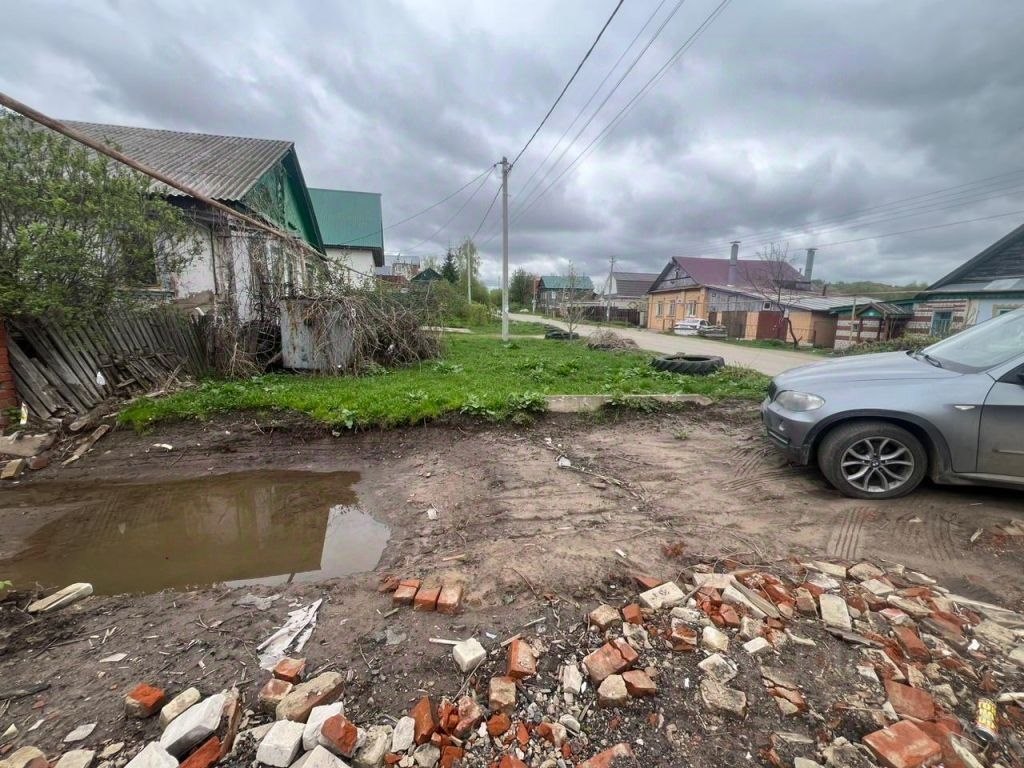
<point>238,529</point>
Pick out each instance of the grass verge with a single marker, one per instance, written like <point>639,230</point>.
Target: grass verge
<point>478,376</point>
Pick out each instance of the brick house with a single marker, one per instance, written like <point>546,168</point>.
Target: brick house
<point>988,285</point>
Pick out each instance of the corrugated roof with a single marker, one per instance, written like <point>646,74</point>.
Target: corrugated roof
<point>561,282</point>
<point>748,271</point>
<point>349,218</point>
<point>221,167</point>
<point>648,276</point>
<point>1003,285</point>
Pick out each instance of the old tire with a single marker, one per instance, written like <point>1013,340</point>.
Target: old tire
<point>691,365</point>
<point>872,460</point>
<point>560,335</point>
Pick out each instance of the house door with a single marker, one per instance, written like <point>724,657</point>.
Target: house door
<point>941,321</point>
<point>1001,442</point>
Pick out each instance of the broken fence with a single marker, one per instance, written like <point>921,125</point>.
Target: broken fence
<point>70,370</point>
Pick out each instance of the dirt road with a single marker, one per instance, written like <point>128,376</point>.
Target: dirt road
<point>528,537</point>
<point>767,361</point>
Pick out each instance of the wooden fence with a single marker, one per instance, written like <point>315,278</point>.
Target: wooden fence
<point>70,370</point>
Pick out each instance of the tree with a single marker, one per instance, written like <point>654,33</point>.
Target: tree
<point>572,310</point>
<point>520,288</point>
<point>772,280</point>
<point>450,269</point>
<point>468,261</point>
<point>77,228</point>
<point>494,297</point>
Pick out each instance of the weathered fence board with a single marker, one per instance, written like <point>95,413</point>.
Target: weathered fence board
<point>56,368</point>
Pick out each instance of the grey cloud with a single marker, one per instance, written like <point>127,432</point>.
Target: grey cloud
<point>782,114</point>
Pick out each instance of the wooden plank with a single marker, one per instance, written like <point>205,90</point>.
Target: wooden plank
<point>34,381</point>
<point>53,363</point>
<point>73,360</point>
<point>78,337</point>
<point>27,394</point>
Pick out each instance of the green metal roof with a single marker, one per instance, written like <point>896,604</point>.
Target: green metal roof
<point>561,283</point>
<point>349,218</point>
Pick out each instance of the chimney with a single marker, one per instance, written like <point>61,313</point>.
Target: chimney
<point>809,266</point>
<point>734,262</point>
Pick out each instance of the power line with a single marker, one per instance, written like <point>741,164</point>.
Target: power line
<point>486,214</point>
<point>566,88</point>
<point>922,229</point>
<point>455,215</point>
<point>617,120</point>
<point>622,77</point>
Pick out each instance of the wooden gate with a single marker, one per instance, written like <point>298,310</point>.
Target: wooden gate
<point>735,323</point>
<point>771,325</point>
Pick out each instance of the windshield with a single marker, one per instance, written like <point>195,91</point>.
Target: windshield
<point>984,346</point>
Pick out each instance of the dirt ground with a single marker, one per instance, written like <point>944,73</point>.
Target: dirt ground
<point>529,540</point>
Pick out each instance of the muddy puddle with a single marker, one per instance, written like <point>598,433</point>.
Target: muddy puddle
<point>238,529</point>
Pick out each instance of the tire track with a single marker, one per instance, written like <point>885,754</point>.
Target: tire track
<point>847,538</point>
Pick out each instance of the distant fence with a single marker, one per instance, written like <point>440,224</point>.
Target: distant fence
<point>70,370</point>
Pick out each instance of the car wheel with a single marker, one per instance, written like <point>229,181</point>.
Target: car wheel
<point>872,460</point>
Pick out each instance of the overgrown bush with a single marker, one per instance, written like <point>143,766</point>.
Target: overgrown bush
<point>908,343</point>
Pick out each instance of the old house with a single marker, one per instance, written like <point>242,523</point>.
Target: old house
<point>554,292</point>
<point>722,291</point>
<point>986,286</point>
<point>238,271</point>
<point>352,228</point>
<point>870,320</point>
<point>428,275</point>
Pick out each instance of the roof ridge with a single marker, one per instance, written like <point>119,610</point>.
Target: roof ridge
<point>177,132</point>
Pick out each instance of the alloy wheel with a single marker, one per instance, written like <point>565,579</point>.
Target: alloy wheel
<point>877,464</point>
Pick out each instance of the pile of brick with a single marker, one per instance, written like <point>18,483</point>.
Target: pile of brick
<point>908,663</point>
<point>444,598</point>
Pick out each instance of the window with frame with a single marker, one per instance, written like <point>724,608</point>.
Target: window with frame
<point>941,323</point>
<point>659,309</point>
<point>671,309</point>
<point>691,308</point>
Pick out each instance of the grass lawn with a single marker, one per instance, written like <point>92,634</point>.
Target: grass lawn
<point>478,376</point>
<point>515,327</point>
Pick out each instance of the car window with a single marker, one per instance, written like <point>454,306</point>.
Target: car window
<point>984,346</point>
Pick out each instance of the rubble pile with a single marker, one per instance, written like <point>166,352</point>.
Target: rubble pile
<point>799,664</point>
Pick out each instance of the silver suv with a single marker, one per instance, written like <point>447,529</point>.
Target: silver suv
<point>877,424</point>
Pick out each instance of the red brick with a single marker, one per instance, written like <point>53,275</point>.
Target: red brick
<point>426,599</point>
<point>42,461</point>
<point>272,693</point>
<point>406,591</point>
<point>607,758</point>
<point>341,734</point>
<point>144,700</point>
<point>204,757</point>
<point>290,669</point>
<point>940,733</point>
<point>632,614</point>
<point>646,582</point>
<point>469,716</point>
<point>521,661</point>
<point>729,615</point>
<point>498,724</point>
<point>392,759</point>
<point>426,720</point>
<point>608,660</point>
<point>507,761</point>
<point>450,599</point>
<point>449,756</point>
<point>638,683</point>
<point>903,745</point>
<point>911,643</point>
<point>911,702</point>
<point>682,638</point>
<point>388,583</point>
<point>522,734</point>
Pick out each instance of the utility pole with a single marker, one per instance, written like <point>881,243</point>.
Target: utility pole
<point>608,291</point>
<point>505,168</point>
<point>469,273</point>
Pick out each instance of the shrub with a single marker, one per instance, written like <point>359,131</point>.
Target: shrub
<point>908,343</point>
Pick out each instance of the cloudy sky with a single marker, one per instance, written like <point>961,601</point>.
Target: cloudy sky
<point>797,121</point>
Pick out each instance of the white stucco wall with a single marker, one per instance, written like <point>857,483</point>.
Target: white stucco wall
<point>357,261</point>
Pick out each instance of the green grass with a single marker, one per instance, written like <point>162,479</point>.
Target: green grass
<point>478,376</point>
<point>515,327</point>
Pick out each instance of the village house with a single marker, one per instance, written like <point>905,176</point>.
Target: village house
<point>870,320</point>
<point>988,285</point>
<point>553,292</point>
<point>352,227</point>
<point>238,271</point>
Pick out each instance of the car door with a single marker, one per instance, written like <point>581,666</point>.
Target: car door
<point>1001,438</point>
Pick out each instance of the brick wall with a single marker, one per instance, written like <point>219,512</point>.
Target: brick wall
<point>8,395</point>
<point>921,323</point>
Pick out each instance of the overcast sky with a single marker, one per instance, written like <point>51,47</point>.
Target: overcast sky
<point>781,115</point>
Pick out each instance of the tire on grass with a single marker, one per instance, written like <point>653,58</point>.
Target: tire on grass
<point>560,335</point>
<point>691,365</point>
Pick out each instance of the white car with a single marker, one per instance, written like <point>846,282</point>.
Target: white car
<point>690,326</point>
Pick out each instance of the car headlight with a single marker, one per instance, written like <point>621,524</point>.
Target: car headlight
<point>799,401</point>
